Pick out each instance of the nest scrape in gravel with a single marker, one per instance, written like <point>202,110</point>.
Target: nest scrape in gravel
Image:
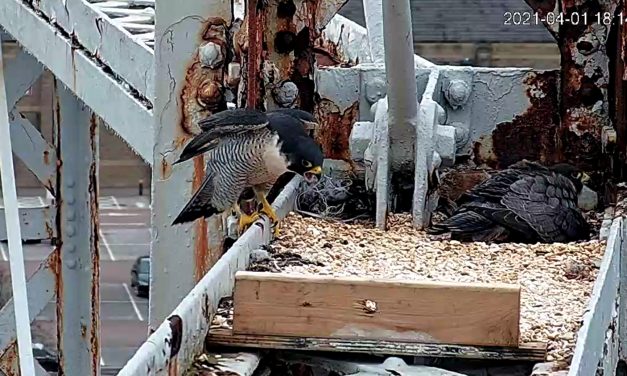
<point>556,279</point>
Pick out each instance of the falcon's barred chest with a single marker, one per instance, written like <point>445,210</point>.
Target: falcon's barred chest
<point>244,161</point>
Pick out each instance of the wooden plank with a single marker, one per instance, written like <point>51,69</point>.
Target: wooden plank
<point>589,349</point>
<point>535,351</point>
<point>427,312</point>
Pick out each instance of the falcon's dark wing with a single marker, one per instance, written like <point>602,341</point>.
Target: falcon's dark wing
<point>222,124</point>
<point>548,203</point>
<point>491,189</point>
<point>235,120</point>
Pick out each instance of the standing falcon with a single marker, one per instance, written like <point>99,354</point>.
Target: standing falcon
<point>525,203</point>
<point>247,148</point>
<point>239,117</point>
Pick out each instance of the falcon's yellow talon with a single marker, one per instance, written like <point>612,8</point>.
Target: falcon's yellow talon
<point>246,220</point>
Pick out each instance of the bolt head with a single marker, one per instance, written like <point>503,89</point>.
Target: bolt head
<point>70,230</point>
<point>210,55</point>
<point>286,94</point>
<point>209,93</point>
<point>71,264</point>
<point>457,93</point>
<point>375,89</point>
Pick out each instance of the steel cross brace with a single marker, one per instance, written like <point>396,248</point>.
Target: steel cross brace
<point>40,157</point>
<point>16,255</point>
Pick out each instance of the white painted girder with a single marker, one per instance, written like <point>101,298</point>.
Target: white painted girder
<point>127,115</point>
<point>129,58</point>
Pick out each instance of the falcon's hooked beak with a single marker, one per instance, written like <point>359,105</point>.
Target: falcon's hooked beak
<point>585,178</point>
<point>313,176</point>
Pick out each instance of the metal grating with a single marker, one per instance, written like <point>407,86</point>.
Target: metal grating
<point>135,16</point>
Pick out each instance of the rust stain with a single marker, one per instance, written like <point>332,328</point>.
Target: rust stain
<point>173,367</point>
<point>49,230</point>
<point>203,92</point>
<point>531,135</point>
<point>255,22</point>
<point>176,327</point>
<point>46,157</point>
<point>455,182</point>
<point>55,257</point>
<point>623,50</point>
<point>9,360</point>
<point>335,128</point>
<point>166,169</point>
<point>328,53</point>
<point>584,82</point>
<point>202,254</point>
<point>93,190</point>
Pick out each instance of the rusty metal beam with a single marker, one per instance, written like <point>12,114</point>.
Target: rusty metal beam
<point>78,266</point>
<point>281,39</point>
<point>585,76</point>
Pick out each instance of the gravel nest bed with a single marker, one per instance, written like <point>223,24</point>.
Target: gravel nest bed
<point>556,279</point>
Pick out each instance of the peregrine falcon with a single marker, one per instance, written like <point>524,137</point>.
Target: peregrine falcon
<point>247,148</point>
<point>525,203</point>
<point>239,118</point>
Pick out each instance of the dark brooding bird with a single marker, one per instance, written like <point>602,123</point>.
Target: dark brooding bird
<point>525,203</point>
<point>248,148</point>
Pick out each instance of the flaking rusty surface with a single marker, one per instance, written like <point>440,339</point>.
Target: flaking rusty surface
<point>9,361</point>
<point>55,263</point>
<point>176,326</point>
<point>334,131</point>
<point>93,190</point>
<point>203,91</point>
<point>291,46</point>
<point>202,254</point>
<point>584,79</point>
<point>530,135</point>
<point>254,21</point>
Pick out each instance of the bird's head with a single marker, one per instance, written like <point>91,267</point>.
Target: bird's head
<point>303,154</point>
<point>306,159</point>
<point>577,176</point>
<point>308,119</point>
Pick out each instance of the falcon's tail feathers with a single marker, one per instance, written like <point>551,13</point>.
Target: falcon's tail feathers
<point>198,145</point>
<point>199,206</point>
<point>465,221</point>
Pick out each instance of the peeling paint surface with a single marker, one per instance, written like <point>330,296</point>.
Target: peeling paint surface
<point>531,134</point>
<point>335,129</point>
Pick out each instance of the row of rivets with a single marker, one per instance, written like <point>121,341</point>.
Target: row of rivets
<point>70,228</point>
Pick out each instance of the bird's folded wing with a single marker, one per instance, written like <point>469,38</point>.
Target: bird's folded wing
<point>234,121</point>
<point>546,203</point>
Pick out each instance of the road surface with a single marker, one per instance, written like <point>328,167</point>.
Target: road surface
<point>125,235</point>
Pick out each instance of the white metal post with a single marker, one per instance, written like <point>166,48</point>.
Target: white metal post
<point>16,256</point>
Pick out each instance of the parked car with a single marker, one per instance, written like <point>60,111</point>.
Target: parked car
<point>46,358</point>
<point>140,276</point>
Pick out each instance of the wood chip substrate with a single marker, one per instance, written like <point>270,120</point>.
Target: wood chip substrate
<point>556,279</point>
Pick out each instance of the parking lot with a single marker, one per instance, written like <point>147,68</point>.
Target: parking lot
<point>125,235</point>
